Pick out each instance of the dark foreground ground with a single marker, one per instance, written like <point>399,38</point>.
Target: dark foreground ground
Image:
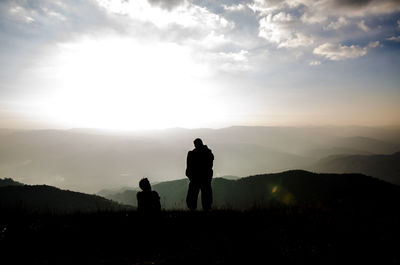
<point>271,236</point>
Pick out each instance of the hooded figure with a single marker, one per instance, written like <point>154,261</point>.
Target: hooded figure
<point>199,165</point>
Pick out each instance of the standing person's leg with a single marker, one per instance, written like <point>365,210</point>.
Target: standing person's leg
<point>206,195</point>
<point>193,193</point>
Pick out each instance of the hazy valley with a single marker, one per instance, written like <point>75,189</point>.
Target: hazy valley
<point>92,160</point>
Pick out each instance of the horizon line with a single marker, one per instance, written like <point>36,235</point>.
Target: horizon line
<point>200,128</point>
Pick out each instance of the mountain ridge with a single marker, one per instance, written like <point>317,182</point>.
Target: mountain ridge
<point>49,199</point>
<point>386,167</point>
<point>288,188</point>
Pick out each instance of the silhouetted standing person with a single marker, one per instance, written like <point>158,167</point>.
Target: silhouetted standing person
<point>148,200</point>
<point>199,165</point>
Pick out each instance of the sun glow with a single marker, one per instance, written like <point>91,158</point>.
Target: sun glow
<point>122,84</point>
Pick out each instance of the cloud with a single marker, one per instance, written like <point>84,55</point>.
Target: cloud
<point>265,7</point>
<point>338,52</point>
<point>373,44</point>
<point>362,26</point>
<point>166,4</point>
<point>394,38</point>
<point>234,8</point>
<point>237,57</point>
<point>232,61</point>
<point>320,11</point>
<point>314,63</point>
<point>313,11</point>
<point>182,13</point>
<point>208,28</point>
<point>44,19</point>
<point>335,25</point>
<point>20,13</point>
<point>352,3</point>
<point>281,29</point>
<point>298,23</point>
<point>218,44</point>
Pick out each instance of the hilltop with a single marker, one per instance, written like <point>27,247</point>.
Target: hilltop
<point>15,196</point>
<point>9,182</point>
<point>289,188</point>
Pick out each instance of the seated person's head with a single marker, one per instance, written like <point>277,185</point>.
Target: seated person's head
<point>198,143</point>
<point>144,184</point>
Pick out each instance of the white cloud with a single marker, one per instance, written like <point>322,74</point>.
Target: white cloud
<point>314,63</point>
<point>42,14</point>
<point>394,38</point>
<point>53,18</point>
<point>185,14</point>
<point>203,28</point>
<point>282,17</point>
<point>265,7</point>
<point>338,52</point>
<point>280,29</point>
<point>232,61</point>
<point>334,25</point>
<point>237,7</point>
<point>21,14</point>
<point>362,26</point>
<point>237,57</point>
<point>373,44</point>
<point>54,14</point>
<point>211,41</point>
<point>297,40</point>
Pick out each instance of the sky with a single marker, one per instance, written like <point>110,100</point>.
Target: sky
<point>154,64</point>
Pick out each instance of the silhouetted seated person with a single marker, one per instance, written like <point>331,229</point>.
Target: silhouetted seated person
<point>148,200</point>
<point>199,171</point>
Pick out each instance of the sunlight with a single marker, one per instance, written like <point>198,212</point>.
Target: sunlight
<point>122,84</point>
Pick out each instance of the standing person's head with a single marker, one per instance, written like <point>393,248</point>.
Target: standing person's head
<point>144,184</point>
<point>198,143</point>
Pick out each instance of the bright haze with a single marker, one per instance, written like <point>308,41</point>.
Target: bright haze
<point>154,64</point>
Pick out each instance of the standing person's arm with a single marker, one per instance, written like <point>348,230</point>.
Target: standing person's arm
<point>188,165</point>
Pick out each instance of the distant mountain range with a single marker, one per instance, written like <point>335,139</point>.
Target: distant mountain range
<point>88,160</point>
<point>295,187</point>
<point>386,167</point>
<point>15,196</point>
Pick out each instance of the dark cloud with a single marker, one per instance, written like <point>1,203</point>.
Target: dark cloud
<point>166,4</point>
<point>352,3</point>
